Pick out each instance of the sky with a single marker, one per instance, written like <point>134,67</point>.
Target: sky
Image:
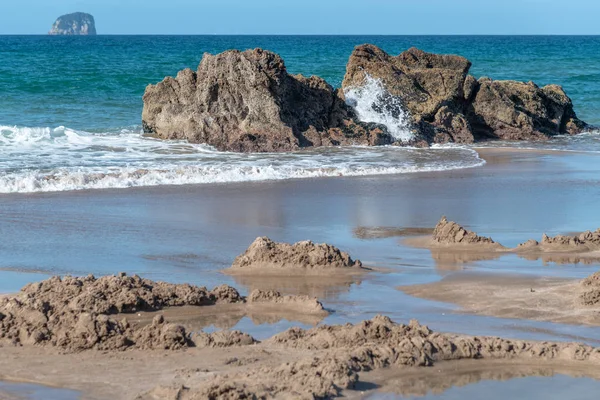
<point>402,17</point>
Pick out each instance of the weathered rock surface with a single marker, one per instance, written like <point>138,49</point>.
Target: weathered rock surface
<point>512,110</point>
<point>450,233</point>
<point>447,104</point>
<point>74,24</point>
<point>265,256</point>
<point>247,102</point>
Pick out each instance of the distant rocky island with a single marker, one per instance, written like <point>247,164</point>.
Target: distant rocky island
<point>74,24</point>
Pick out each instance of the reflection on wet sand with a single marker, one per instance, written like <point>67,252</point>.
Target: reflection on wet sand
<point>226,316</point>
<point>321,287</point>
<point>382,232</point>
<point>448,260</point>
<point>21,391</point>
<point>445,376</point>
<point>562,258</point>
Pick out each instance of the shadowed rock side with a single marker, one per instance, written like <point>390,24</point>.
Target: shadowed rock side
<point>265,256</point>
<point>447,104</point>
<point>247,102</point>
<point>78,23</point>
<point>450,233</point>
<point>341,352</point>
<point>87,313</point>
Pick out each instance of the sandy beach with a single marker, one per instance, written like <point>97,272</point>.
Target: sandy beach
<point>192,233</point>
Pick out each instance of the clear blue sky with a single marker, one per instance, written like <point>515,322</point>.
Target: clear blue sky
<point>310,16</point>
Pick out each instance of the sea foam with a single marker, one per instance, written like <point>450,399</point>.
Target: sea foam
<point>59,159</point>
<point>373,103</point>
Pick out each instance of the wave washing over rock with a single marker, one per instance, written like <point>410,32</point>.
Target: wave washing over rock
<point>373,103</point>
<point>247,102</point>
<point>58,159</point>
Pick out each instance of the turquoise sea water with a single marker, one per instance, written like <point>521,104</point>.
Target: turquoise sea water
<point>70,107</point>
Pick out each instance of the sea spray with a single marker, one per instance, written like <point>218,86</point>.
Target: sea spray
<point>373,103</point>
<point>58,159</point>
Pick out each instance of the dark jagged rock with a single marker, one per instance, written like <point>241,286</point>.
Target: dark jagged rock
<point>247,101</point>
<point>447,104</point>
<point>74,24</point>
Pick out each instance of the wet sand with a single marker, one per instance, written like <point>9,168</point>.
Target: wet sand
<point>406,360</point>
<point>496,380</point>
<point>512,296</point>
<point>191,233</point>
<point>101,375</point>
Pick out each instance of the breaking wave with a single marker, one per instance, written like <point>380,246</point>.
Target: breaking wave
<point>373,103</point>
<point>59,159</point>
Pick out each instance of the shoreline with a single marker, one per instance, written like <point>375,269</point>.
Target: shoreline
<point>490,156</point>
<point>511,296</point>
<point>189,234</point>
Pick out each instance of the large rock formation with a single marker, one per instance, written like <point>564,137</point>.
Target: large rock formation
<point>246,101</point>
<point>74,24</point>
<point>445,103</point>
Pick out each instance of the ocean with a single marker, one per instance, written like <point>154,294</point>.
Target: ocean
<point>70,107</point>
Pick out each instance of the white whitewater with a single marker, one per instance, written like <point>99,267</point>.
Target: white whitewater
<point>373,103</point>
<point>59,159</point>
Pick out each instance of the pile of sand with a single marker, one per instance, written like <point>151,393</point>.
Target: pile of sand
<point>450,236</point>
<point>450,233</point>
<point>584,242</point>
<point>591,290</point>
<point>265,256</point>
<point>77,314</point>
<point>339,353</point>
<point>120,294</point>
<point>304,304</point>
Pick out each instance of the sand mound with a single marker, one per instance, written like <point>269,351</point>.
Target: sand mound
<point>222,339</point>
<point>584,242</point>
<point>311,378</point>
<point>308,305</point>
<point>265,256</point>
<point>591,287</point>
<point>450,233</point>
<point>343,351</point>
<point>120,294</point>
<point>77,314</point>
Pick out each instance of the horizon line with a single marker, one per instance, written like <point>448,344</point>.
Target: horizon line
<point>316,34</point>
